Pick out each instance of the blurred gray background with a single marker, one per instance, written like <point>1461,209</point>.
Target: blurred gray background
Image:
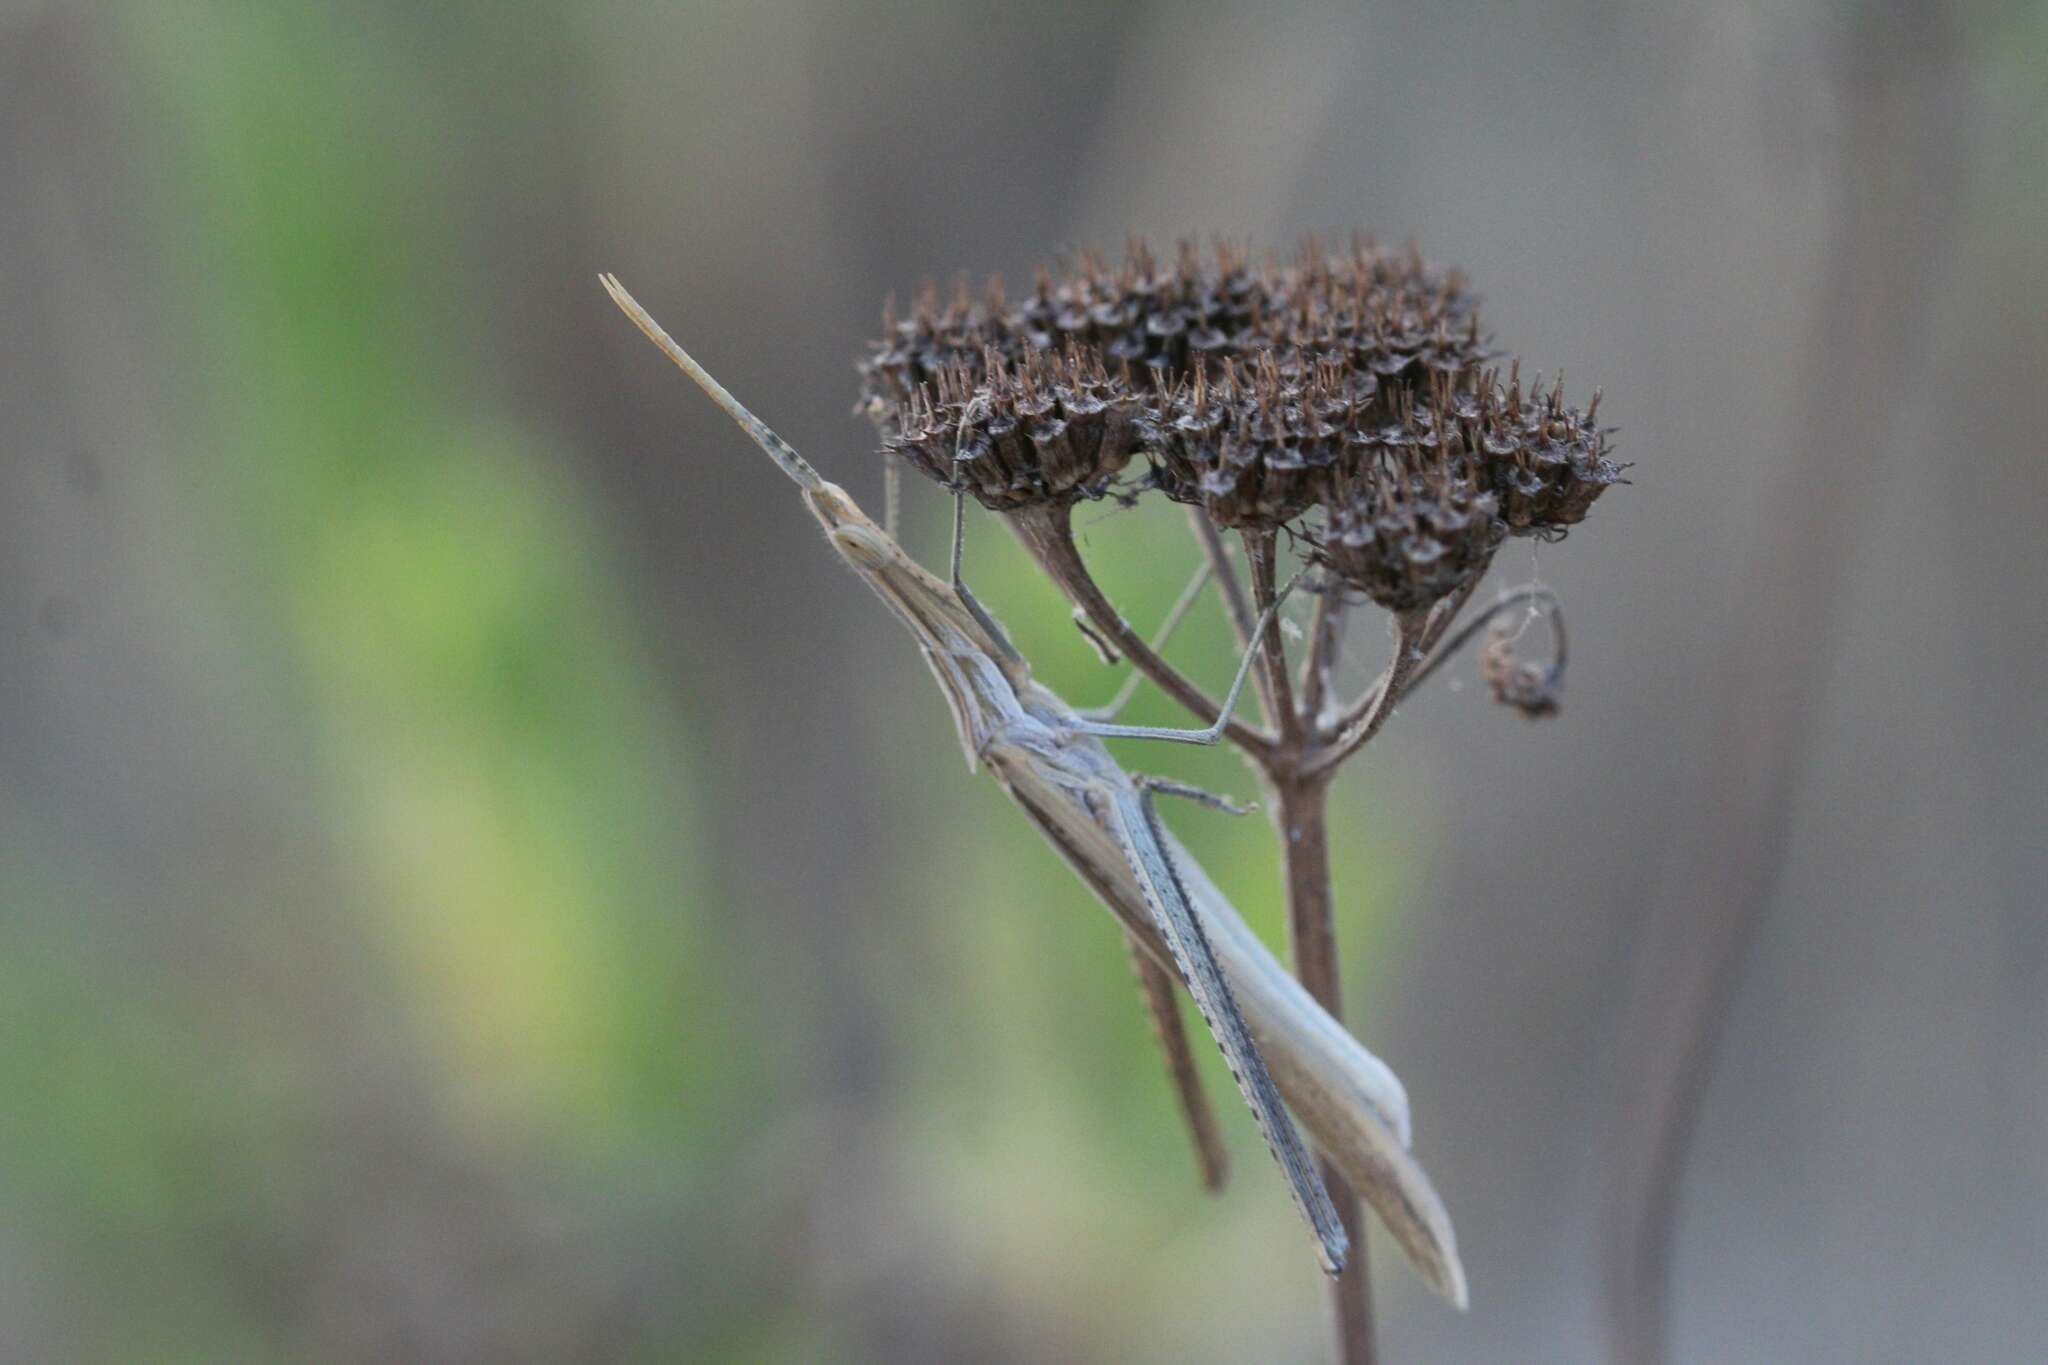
<point>477,882</point>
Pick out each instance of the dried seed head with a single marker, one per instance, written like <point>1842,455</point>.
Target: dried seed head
<point>1381,312</point>
<point>1257,393</point>
<point>1546,461</point>
<point>1048,430</point>
<point>1410,534</point>
<point>1256,447</point>
<point>1388,313</point>
<point>915,351</point>
<point>1149,314</point>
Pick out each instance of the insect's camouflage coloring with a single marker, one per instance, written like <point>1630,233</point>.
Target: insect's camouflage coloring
<point>1050,759</point>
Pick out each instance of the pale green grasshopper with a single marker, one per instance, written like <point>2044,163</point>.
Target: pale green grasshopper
<point>1049,757</point>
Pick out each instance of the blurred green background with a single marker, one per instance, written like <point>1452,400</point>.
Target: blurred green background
<point>478,883</point>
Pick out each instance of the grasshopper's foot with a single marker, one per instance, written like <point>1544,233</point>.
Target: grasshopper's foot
<point>1169,787</point>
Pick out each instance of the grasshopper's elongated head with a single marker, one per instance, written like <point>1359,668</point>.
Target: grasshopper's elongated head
<point>934,612</point>
<point>959,649</point>
<point>974,677</point>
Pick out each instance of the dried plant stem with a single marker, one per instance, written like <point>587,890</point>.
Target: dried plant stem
<point>1156,984</point>
<point>1261,553</point>
<point>1443,613</point>
<point>1297,759</point>
<point>1325,634</point>
<point>1410,631</point>
<point>1301,811</point>
<point>1443,644</point>
<point>1235,604</point>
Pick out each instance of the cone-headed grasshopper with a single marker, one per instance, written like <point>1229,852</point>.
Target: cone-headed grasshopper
<point>1050,759</point>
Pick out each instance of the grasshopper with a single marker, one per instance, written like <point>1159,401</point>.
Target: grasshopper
<point>1050,759</point>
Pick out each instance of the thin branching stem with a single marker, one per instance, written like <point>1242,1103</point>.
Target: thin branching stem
<point>1325,636</point>
<point>1236,606</point>
<point>1409,632</point>
<point>1536,598</point>
<point>1437,621</point>
<point>1301,811</point>
<point>1439,649</point>
<point>1261,556</point>
<point>1443,613</point>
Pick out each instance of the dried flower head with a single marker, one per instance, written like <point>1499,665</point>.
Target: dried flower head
<point>1546,461</point>
<point>1256,448</point>
<point>1149,315</point>
<point>1414,526</point>
<point>915,351</point>
<point>1257,393</point>
<point>1384,312</point>
<point>1388,313</point>
<point>1049,430</point>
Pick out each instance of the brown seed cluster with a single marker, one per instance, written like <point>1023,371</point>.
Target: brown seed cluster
<point>1344,396</point>
<point>1259,447</point>
<point>1050,430</point>
<point>1388,313</point>
<point>1548,461</point>
<point>1413,524</point>
<point>1147,316</point>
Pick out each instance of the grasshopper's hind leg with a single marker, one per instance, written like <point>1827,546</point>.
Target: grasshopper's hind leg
<point>1144,844</point>
<point>1155,988</point>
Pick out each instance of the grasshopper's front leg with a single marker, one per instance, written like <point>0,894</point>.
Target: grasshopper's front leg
<point>1209,734</point>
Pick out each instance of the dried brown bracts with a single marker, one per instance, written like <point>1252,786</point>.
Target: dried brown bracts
<point>1050,430</point>
<point>1351,382</point>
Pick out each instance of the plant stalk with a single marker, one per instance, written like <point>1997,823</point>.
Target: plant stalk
<point>1261,554</point>
<point>1301,811</point>
<point>1300,790</point>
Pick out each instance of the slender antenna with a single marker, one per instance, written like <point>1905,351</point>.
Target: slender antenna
<point>778,449</point>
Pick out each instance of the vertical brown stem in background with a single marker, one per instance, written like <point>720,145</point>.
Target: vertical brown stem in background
<point>1236,605</point>
<point>1300,808</point>
<point>1891,199</point>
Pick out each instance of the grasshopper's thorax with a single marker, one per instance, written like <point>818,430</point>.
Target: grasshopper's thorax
<point>980,680</point>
